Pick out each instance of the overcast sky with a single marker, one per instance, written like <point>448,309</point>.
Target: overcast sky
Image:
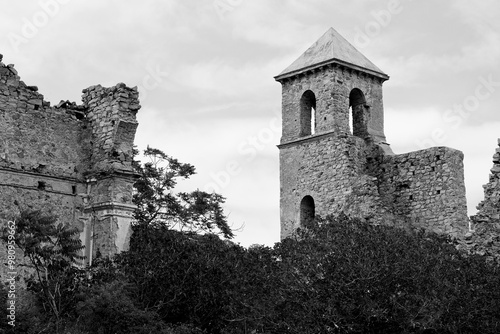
<point>205,71</point>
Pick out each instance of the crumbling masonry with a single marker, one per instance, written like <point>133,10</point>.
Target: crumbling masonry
<point>75,161</point>
<point>328,167</point>
<point>71,160</point>
<point>485,238</point>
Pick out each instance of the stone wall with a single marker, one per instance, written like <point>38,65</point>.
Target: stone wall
<point>111,113</point>
<point>351,169</point>
<point>331,86</point>
<point>36,171</point>
<point>325,167</point>
<point>344,174</point>
<point>71,160</point>
<point>489,208</point>
<point>485,235</point>
<point>426,189</point>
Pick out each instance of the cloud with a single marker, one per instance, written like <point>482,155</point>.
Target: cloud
<point>216,93</point>
<point>466,138</point>
<point>218,79</point>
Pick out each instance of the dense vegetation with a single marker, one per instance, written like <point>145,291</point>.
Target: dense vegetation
<point>337,275</point>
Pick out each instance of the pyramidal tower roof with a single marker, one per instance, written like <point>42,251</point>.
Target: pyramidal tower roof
<point>331,48</point>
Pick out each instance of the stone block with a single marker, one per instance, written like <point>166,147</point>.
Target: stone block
<point>58,151</point>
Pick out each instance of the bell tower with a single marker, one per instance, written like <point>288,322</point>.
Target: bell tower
<point>332,112</point>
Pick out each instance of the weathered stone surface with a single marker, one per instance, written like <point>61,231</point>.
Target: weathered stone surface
<point>355,172</point>
<point>331,47</point>
<point>71,160</point>
<point>485,237</point>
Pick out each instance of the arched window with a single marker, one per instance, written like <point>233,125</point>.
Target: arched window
<point>307,210</point>
<point>307,113</point>
<point>358,113</point>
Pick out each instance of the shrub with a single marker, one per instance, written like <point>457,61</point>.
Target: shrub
<point>109,309</point>
<point>348,276</point>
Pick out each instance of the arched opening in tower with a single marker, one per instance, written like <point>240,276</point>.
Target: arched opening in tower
<point>358,113</point>
<point>307,113</point>
<point>307,210</point>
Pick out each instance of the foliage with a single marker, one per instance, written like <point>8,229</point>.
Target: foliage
<point>182,276</point>
<point>196,211</point>
<point>29,318</point>
<point>109,305</point>
<point>202,280</point>
<point>347,276</point>
<point>52,252</point>
<point>336,276</point>
<point>100,297</point>
<point>109,309</point>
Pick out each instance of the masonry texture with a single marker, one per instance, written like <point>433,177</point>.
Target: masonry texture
<point>485,237</point>
<point>71,160</point>
<point>329,166</point>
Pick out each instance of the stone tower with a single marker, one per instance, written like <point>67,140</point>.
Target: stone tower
<point>333,152</point>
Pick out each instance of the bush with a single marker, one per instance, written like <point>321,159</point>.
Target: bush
<point>185,277</point>
<point>336,276</point>
<point>109,309</point>
<point>29,318</point>
<point>348,276</point>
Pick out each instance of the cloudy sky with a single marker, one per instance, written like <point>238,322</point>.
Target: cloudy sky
<point>205,72</point>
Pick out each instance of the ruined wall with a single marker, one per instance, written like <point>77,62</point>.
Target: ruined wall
<point>354,171</point>
<point>71,160</point>
<point>489,208</point>
<point>423,189</point>
<point>112,115</point>
<point>426,189</point>
<point>36,171</point>
<point>485,235</point>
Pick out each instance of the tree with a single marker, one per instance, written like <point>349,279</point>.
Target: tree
<point>347,276</point>
<point>202,280</point>
<point>52,250</point>
<point>197,211</point>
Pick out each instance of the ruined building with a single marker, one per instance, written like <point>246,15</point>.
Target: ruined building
<point>327,168</point>
<point>71,160</point>
<point>75,161</point>
<point>485,238</point>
